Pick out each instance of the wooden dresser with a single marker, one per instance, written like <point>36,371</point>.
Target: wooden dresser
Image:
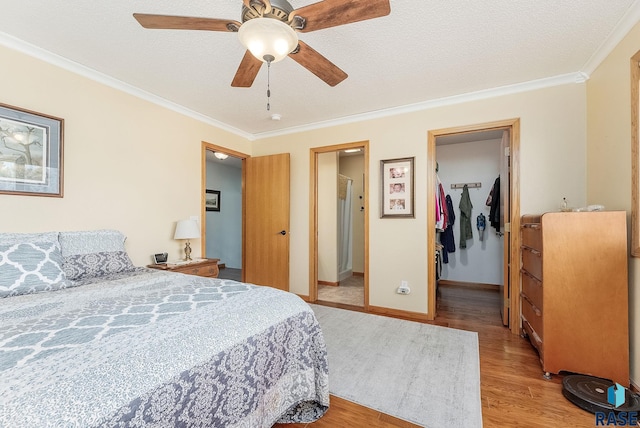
<point>574,292</point>
<point>205,267</point>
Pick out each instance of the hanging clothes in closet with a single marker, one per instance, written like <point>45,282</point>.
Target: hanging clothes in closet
<point>442,213</point>
<point>447,239</point>
<point>466,232</point>
<point>493,201</point>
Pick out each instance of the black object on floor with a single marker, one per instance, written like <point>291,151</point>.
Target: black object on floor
<point>590,393</point>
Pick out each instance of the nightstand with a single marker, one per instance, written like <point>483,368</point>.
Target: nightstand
<point>204,267</point>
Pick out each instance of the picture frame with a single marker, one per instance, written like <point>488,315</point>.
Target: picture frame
<point>397,187</point>
<point>212,200</point>
<point>31,153</point>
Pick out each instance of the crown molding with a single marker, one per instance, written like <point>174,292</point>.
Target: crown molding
<point>626,23</point>
<point>564,79</point>
<point>74,67</point>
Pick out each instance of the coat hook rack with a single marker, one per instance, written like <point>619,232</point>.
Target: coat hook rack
<point>469,185</point>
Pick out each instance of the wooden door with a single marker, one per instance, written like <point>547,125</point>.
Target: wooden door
<point>505,225</point>
<point>266,238</point>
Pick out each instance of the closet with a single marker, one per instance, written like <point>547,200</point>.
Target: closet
<point>473,162</point>
<point>575,292</point>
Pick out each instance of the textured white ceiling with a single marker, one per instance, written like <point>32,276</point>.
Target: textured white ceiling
<point>424,50</point>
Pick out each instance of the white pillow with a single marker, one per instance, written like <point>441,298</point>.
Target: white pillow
<point>30,267</point>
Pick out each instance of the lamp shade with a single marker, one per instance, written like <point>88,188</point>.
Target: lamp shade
<point>187,229</point>
<point>268,38</point>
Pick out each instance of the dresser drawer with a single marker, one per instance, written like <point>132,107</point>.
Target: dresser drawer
<point>532,262</point>
<point>533,315</point>
<point>532,236</point>
<point>210,270</point>
<point>535,340</point>
<point>532,288</point>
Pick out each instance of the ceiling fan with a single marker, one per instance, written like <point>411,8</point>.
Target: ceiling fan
<point>271,16</point>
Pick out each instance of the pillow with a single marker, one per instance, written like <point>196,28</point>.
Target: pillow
<point>93,253</point>
<point>30,267</point>
<point>12,238</point>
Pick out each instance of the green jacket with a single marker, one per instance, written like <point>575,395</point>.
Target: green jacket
<point>466,232</point>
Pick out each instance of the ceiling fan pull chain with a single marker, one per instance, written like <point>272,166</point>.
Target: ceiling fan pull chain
<point>268,84</point>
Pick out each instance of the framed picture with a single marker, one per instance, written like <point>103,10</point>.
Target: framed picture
<point>30,153</point>
<point>212,200</point>
<point>397,187</point>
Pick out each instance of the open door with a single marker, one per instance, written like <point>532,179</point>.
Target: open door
<point>266,237</point>
<point>505,226</point>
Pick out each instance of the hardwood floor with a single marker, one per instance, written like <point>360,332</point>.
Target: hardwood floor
<point>230,273</point>
<point>514,394</point>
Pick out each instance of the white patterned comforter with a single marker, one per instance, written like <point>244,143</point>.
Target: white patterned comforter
<point>160,349</point>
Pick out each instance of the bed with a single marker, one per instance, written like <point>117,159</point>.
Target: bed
<point>109,344</point>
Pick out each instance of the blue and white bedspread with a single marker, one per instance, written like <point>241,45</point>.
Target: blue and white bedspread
<point>160,349</point>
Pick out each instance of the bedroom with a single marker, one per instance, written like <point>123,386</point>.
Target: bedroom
<point>133,165</point>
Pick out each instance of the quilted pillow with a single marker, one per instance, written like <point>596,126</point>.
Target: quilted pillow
<point>94,253</point>
<point>12,238</point>
<point>30,267</point>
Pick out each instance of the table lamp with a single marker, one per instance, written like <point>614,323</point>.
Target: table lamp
<point>187,229</point>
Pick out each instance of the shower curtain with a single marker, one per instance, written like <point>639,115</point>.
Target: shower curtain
<point>345,229</point>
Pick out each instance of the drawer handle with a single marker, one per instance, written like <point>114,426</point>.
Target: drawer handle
<point>524,272</point>
<point>531,225</point>
<point>534,252</point>
<point>534,307</point>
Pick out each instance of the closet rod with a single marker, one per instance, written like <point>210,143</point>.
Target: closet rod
<point>469,185</point>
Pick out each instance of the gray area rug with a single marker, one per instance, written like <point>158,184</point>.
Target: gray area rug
<point>425,374</point>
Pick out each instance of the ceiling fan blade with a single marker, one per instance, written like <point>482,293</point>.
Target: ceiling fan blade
<point>247,71</point>
<point>167,22</point>
<point>331,13</point>
<point>310,59</point>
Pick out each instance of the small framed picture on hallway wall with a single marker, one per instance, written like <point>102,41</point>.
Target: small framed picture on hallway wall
<point>212,200</point>
<point>397,188</point>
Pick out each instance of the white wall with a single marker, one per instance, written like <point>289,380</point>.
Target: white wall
<point>224,227</point>
<point>472,162</point>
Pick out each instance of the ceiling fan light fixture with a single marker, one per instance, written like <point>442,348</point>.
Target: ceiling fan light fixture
<point>268,38</point>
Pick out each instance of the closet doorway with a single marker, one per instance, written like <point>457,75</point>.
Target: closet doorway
<point>338,265</point>
<point>493,148</point>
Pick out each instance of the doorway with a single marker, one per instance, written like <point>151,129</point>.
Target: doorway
<point>508,152</point>
<point>339,226</point>
<point>222,225</point>
<point>264,216</point>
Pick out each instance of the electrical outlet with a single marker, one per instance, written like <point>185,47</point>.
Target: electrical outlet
<point>404,288</point>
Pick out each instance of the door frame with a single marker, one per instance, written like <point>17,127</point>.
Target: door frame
<point>203,212</point>
<point>313,215</point>
<point>513,125</point>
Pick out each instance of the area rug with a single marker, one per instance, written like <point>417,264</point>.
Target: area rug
<point>424,374</point>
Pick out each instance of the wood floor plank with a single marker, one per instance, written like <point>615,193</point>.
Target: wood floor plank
<point>513,391</point>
